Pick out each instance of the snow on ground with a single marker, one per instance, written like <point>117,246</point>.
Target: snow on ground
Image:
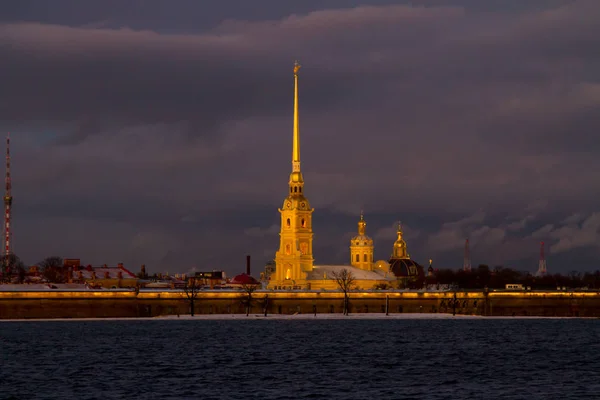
<point>274,317</point>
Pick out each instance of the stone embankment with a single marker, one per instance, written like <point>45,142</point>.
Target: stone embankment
<point>128,303</point>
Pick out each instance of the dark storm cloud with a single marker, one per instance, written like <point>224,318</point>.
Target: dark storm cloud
<point>424,114</point>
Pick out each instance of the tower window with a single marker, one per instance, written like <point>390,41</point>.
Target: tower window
<point>303,223</point>
<point>288,249</point>
<point>288,223</point>
<point>357,258</point>
<point>365,257</point>
<point>295,189</point>
<point>300,190</point>
<point>291,190</point>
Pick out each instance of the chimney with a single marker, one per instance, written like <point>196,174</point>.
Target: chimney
<point>248,264</point>
<point>120,265</point>
<point>106,276</point>
<point>120,274</point>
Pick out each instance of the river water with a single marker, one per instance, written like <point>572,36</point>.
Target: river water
<point>256,358</point>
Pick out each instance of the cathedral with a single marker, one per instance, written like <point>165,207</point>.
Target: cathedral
<point>294,261</point>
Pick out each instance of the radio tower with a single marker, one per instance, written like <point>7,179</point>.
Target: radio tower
<point>467,261</point>
<point>542,264</point>
<point>7,203</point>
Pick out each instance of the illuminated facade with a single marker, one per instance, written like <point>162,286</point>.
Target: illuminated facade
<point>294,258</point>
<point>361,247</point>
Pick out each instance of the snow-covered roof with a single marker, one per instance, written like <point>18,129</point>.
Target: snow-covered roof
<point>39,286</point>
<point>325,272</point>
<point>113,273</point>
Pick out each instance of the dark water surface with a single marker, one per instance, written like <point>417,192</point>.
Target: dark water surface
<point>301,359</point>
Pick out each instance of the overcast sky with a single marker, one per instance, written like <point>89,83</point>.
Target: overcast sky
<point>159,132</point>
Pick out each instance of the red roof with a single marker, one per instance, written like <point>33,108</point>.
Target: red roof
<point>244,279</point>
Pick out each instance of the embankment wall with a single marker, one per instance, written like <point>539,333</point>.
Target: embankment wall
<point>123,303</point>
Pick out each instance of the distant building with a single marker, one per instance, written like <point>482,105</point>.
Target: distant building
<point>243,280</point>
<point>210,278</point>
<point>104,277</point>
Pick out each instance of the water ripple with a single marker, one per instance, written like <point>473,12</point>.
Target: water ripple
<point>354,359</point>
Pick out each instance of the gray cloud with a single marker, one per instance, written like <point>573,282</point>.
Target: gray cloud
<point>424,114</point>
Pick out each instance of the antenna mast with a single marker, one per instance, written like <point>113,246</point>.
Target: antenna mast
<point>467,261</point>
<point>542,263</point>
<point>7,203</point>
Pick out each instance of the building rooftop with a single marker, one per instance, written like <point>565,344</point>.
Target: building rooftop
<point>326,271</point>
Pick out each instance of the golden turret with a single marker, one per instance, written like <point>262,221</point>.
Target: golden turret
<point>361,247</point>
<point>362,225</point>
<point>400,245</point>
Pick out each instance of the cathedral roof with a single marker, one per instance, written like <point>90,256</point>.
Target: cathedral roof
<point>405,267</point>
<point>361,238</point>
<point>325,272</point>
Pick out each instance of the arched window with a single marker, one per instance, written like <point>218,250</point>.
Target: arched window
<point>288,223</point>
<point>287,274</point>
<point>288,250</point>
<point>295,189</point>
<point>365,257</point>
<point>357,258</point>
<point>300,190</point>
<point>291,190</point>
<point>303,223</point>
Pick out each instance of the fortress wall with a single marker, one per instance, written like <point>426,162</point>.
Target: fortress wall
<point>106,304</point>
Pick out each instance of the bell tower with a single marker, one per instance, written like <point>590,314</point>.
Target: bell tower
<point>295,255</point>
<point>361,247</point>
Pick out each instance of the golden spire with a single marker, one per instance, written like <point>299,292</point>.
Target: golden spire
<point>296,179</point>
<point>296,146</point>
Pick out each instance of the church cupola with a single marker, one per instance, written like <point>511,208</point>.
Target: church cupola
<point>400,251</point>
<point>361,247</point>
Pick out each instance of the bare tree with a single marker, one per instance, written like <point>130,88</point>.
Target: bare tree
<point>346,282</point>
<point>264,303</point>
<point>53,269</point>
<point>247,299</point>
<point>192,289</point>
<point>12,264</point>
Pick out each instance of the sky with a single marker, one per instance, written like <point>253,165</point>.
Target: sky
<point>159,133</point>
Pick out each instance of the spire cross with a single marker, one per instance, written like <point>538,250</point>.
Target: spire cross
<point>296,67</point>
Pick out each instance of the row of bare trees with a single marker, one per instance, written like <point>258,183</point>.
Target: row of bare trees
<point>497,278</point>
<point>194,286</point>
<point>14,270</point>
<point>344,280</point>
